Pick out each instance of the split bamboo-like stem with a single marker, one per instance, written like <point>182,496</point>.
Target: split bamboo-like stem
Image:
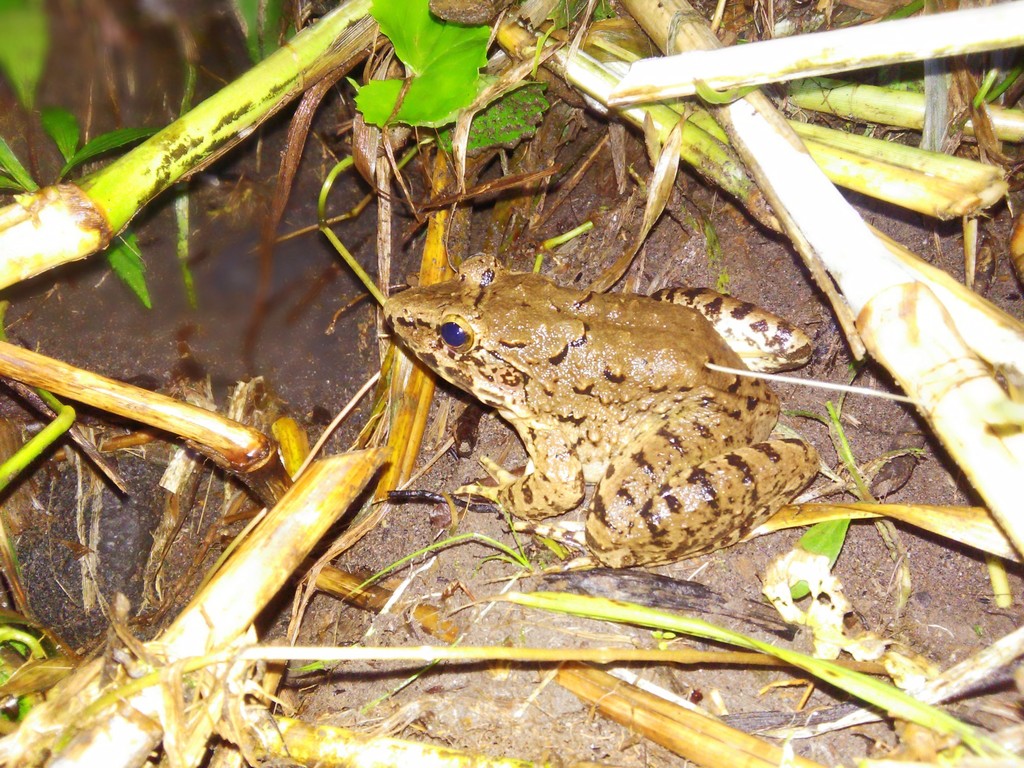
<point>927,182</point>
<point>820,53</point>
<point>830,235</point>
<point>953,389</point>
<point>888,106</point>
<point>704,152</point>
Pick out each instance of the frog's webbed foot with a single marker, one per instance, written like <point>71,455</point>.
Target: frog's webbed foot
<point>501,476</point>
<point>571,534</point>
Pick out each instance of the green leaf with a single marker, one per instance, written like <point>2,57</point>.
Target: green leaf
<point>376,100</point>
<point>261,22</point>
<point>6,182</point>
<point>62,127</point>
<point>125,259</point>
<point>822,539</point>
<point>443,58</point>
<point>12,165</point>
<point>24,41</point>
<point>106,142</point>
<point>505,122</point>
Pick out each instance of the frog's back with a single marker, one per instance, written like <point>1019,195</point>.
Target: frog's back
<point>628,347</point>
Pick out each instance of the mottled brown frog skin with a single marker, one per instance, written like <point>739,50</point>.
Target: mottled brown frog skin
<point>610,389</point>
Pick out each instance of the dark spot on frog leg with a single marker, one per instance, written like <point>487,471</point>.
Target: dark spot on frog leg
<point>752,403</point>
<point>642,463</point>
<point>713,308</point>
<point>761,326</point>
<point>673,440</point>
<point>770,453</point>
<point>702,481</point>
<point>527,493</point>
<point>569,419</point>
<point>741,310</point>
<point>742,467</point>
<point>655,523</point>
<point>598,510</point>
<point>583,390</point>
<point>560,356</point>
<point>614,378</point>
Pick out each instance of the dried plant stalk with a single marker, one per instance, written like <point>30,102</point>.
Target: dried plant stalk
<point>927,182</point>
<point>691,735</point>
<point>233,446</point>
<point>269,739</point>
<point>819,53</point>
<point>65,223</point>
<point>84,732</point>
<point>972,526</point>
<point>953,389</point>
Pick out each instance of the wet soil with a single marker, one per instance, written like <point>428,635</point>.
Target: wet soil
<point>83,315</point>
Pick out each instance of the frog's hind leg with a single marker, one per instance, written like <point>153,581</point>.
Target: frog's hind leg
<point>698,508</point>
<point>763,340</point>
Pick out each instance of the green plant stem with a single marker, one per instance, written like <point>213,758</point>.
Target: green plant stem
<point>565,237</point>
<point>198,137</point>
<point>346,255</point>
<point>882,695</point>
<point>31,450</point>
<point>846,453</point>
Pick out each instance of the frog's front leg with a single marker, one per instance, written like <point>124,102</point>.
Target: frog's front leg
<point>656,506</point>
<point>551,484</point>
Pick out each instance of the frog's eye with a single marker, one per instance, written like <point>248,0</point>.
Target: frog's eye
<point>456,333</point>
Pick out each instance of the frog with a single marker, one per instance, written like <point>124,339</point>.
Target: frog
<point>613,390</point>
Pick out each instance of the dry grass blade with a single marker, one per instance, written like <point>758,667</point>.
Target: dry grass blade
<point>691,735</point>
<point>412,385</point>
<point>658,190</point>
<point>118,723</point>
<point>972,526</point>
<point>707,154</point>
<point>819,53</point>
<point>233,446</point>
<point>272,739</point>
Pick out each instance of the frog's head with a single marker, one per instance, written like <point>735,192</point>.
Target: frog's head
<point>487,331</point>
